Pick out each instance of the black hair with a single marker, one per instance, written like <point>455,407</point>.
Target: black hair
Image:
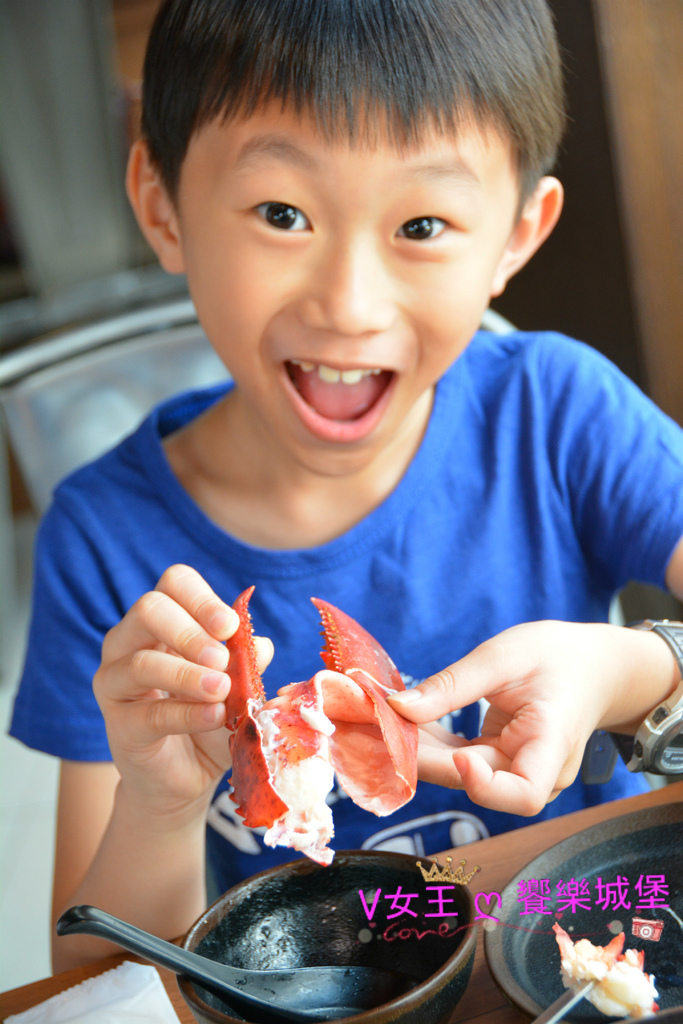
<point>356,65</point>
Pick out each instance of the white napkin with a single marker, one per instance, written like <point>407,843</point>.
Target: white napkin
<point>129,994</point>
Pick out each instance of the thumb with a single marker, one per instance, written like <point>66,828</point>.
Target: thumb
<point>456,686</point>
<point>510,657</point>
<point>506,658</point>
<point>431,699</point>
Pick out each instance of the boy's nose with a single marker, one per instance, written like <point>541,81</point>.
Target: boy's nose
<point>350,294</point>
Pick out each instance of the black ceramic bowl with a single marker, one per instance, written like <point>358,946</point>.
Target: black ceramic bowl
<point>303,915</point>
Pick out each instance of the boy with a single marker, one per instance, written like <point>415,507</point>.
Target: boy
<point>346,185</point>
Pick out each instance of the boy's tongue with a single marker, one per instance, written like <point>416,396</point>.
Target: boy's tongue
<point>338,401</point>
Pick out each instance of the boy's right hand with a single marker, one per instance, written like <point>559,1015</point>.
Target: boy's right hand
<point>161,687</point>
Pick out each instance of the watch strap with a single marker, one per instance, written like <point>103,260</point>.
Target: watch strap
<point>599,758</point>
<point>629,747</point>
<point>624,745</point>
<point>670,632</point>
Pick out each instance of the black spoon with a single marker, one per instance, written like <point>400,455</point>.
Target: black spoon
<point>302,993</point>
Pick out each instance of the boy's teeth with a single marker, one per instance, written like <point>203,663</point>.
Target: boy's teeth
<point>351,376</point>
<point>332,376</point>
<point>328,374</point>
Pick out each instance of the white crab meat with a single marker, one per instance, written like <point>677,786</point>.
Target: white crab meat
<point>307,825</point>
<point>622,988</point>
<point>626,991</point>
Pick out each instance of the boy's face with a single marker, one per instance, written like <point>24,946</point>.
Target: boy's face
<point>307,261</point>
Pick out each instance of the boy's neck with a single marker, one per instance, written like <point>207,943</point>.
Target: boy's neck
<point>245,485</point>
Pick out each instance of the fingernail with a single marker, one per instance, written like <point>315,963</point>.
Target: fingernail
<point>212,712</point>
<point>405,696</point>
<point>213,682</point>
<point>223,623</point>
<point>214,657</point>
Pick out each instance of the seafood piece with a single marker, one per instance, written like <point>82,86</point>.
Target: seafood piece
<point>622,988</point>
<point>286,751</point>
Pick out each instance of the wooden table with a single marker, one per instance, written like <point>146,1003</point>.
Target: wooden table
<point>500,858</point>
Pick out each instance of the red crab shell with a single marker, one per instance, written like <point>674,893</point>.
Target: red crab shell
<point>340,716</point>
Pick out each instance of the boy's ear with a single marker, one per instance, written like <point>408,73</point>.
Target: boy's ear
<point>538,218</point>
<point>154,209</point>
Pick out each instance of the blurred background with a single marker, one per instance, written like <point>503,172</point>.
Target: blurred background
<point>72,260</point>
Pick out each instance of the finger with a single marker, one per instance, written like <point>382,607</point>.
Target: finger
<point>524,786</point>
<point>435,762</point>
<point>153,720</point>
<point>156,619</point>
<point>135,676</point>
<point>436,765</point>
<point>190,590</point>
<point>492,666</point>
<point>494,721</point>
<point>435,735</point>
<point>264,652</point>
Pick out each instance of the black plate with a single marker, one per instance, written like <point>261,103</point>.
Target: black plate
<point>522,951</point>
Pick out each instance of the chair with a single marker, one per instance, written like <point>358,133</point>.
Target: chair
<point>68,397</point>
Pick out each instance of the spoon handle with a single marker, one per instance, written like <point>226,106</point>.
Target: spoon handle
<point>91,921</point>
<point>221,978</point>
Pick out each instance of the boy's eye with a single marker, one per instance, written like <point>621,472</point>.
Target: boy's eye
<point>422,227</point>
<point>283,216</point>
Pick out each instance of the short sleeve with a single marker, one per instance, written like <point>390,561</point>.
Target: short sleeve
<point>73,606</point>
<point>622,460</point>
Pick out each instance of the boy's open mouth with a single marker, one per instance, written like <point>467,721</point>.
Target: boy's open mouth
<point>340,395</point>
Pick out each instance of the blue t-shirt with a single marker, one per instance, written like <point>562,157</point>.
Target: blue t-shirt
<point>545,481</point>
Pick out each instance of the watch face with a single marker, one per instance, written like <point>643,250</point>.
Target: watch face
<point>668,753</point>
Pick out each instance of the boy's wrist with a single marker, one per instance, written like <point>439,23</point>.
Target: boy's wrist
<point>169,820</point>
<point>142,858</point>
<point>645,673</point>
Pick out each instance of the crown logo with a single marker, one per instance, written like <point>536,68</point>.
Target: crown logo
<point>457,877</point>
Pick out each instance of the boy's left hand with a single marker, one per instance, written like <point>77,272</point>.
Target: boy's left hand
<point>549,685</point>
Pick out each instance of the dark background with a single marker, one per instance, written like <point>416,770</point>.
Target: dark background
<point>578,282</point>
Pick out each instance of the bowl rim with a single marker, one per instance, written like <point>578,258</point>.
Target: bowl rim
<point>407,1001</point>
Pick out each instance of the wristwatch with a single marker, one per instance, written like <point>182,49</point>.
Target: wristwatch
<point>657,746</point>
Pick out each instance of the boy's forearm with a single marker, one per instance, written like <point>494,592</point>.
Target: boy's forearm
<point>646,675</point>
<point>148,871</point>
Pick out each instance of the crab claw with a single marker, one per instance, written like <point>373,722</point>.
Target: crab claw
<point>374,749</point>
<point>285,751</point>
<point>351,650</point>
<point>251,777</point>
<point>245,680</point>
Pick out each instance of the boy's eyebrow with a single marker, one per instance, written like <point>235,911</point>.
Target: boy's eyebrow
<point>452,169</point>
<point>279,147</point>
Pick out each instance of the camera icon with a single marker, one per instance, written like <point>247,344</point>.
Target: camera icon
<point>643,928</point>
